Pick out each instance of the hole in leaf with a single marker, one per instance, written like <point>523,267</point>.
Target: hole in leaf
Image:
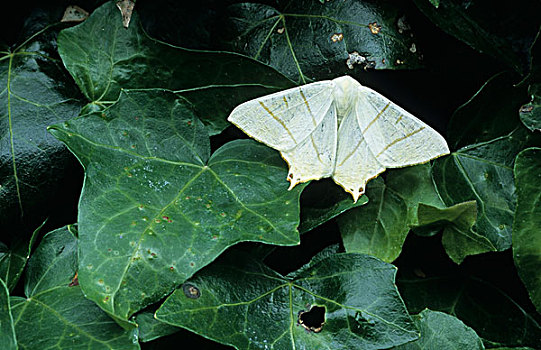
<point>191,291</point>
<point>314,319</point>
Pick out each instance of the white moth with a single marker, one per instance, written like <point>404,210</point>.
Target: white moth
<point>340,129</point>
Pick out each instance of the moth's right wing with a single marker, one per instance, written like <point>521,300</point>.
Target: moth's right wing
<point>285,119</point>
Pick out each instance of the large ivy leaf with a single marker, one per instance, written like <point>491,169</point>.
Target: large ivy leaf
<point>150,328</point>
<point>35,93</point>
<point>156,208</point>
<point>8,339</point>
<point>526,236</point>
<point>408,199</point>
<point>339,301</point>
<point>443,332</point>
<point>480,305</point>
<point>483,172</point>
<point>309,40</point>
<point>490,113</point>
<point>103,57</point>
<point>485,27</point>
<point>55,314</point>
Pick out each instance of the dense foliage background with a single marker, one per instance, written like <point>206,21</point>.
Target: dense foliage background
<point>132,215</point>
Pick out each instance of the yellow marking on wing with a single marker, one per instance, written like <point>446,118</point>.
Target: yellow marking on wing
<point>399,139</point>
<point>377,117</point>
<point>351,153</point>
<point>285,101</point>
<point>317,151</point>
<point>308,107</point>
<point>399,119</point>
<point>278,120</point>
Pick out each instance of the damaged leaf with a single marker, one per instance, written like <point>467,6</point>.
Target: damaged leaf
<point>338,301</point>
<point>308,41</point>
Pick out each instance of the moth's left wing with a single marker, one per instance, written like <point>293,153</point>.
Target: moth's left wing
<point>395,137</point>
<point>285,119</point>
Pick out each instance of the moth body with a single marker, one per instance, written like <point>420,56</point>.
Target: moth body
<point>340,129</point>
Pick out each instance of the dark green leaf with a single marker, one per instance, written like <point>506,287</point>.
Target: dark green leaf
<point>238,301</point>
<point>8,340</point>
<point>443,332</point>
<point>103,57</point>
<point>35,93</point>
<point>150,328</point>
<point>408,199</point>
<point>526,234</point>
<point>310,40</point>
<point>55,314</point>
<point>483,172</point>
<point>13,261</point>
<point>157,208</point>
<point>505,31</point>
<point>480,305</point>
<point>490,113</point>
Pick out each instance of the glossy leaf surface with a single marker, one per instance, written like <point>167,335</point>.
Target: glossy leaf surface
<point>55,314</point>
<point>8,339</point>
<point>157,207</point>
<point>443,332</point>
<point>526,234</point>
<point>309,40</point>
<point>233,299</point>
<point>104,57</point>
<point>35,92</point>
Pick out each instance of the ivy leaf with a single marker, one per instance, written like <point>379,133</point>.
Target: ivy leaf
<point>150,328</point>
<point>35,93</point>
<point>158,208</point>
<point>408,199</point>
<point>338,301</point>
<point>104,57</point>
<point>8,339</point>
<point>499,99</point>
<point>444,332</point>
<point>13,260</point>
<point>485,27</point>
<point>526,238</point>
<point>310,40</point>
<point>55,313</point>
<point>483,172</point>
<point>480,305</point>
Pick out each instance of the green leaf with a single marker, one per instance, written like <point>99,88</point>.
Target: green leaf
<point>8,339</point>
<point>526,237</point>
<point>380,227</point>
<point>104,57</point>
<point>408,199</point>
<point>351,298</point>
<point>483,172</point>
<point>55,314</point>
<point>443,332</point>
<point>480,305</point>
<point>13,261</point>
<point>150,328</point>
<point>487,28</point>
<point>436,3</point>
<point>310,40</point>
<point>490,113</point>
<point>35,93</point>
<point>157,208</point>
